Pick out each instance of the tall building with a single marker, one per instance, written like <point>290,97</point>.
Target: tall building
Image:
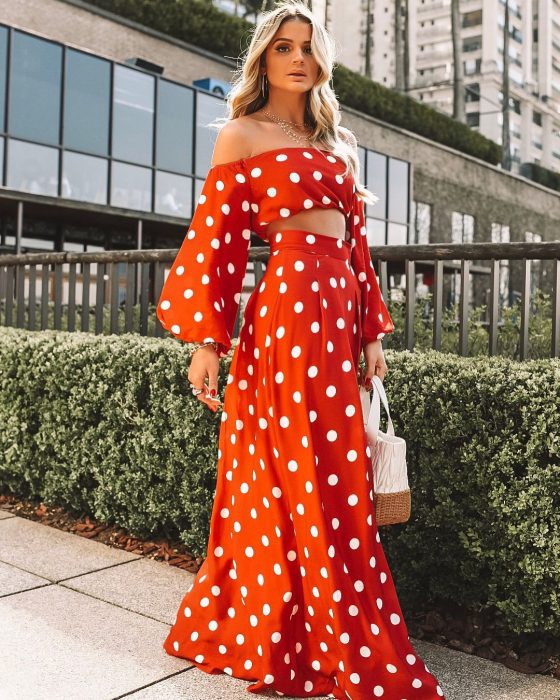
<point>427,62</point>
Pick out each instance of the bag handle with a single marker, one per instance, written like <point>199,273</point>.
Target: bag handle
<point>374,416</point>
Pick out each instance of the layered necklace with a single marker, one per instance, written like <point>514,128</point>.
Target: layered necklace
<point>287,127</point>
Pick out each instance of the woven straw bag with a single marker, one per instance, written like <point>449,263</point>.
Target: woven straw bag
<point>391,492</point>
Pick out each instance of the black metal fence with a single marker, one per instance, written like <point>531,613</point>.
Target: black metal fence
<point>116,291</point>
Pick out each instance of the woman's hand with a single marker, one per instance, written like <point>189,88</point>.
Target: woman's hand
<point>205,363</point>
<point>375,363</point>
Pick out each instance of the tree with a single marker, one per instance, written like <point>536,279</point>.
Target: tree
<point>399,47</point>
<point>251,7</point>
<point>458,83</point>
<point>367,55</point>
<point>402,57</point>
<point>406,55</point>
<point>506,154</point>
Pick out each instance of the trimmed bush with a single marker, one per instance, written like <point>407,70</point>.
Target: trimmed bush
<point>538,173</point>
<point>107,425</point>
<point>201,24</point>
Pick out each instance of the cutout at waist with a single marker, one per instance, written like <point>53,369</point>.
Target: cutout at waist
<point>311,221</point>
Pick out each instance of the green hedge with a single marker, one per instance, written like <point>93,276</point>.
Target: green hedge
<point>201,24</point>
<point>107,425</point>
<point>538,173</point>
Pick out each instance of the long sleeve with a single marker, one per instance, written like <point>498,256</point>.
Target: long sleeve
<point>200,295</point>
<point>376,321</point>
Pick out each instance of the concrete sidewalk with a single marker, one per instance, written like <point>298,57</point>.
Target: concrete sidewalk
<point>80,620</point>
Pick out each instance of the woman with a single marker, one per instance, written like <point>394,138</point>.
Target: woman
<point>295,593</point>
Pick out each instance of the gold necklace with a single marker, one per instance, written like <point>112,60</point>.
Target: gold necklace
<point>284,125</point>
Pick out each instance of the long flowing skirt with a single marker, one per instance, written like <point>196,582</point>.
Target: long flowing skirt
<point>295,593</point>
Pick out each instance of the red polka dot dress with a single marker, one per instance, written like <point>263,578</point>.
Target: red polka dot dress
<point>295,593</point>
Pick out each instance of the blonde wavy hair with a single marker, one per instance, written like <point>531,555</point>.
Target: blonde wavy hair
<point>322,110</point>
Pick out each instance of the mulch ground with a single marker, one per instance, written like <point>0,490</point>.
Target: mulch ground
<point>447,624</point>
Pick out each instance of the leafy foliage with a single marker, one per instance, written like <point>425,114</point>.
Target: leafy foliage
<point>107,425</point>
<point>508,330</point>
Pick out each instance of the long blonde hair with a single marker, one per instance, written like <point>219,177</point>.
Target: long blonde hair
<point>322,110</point>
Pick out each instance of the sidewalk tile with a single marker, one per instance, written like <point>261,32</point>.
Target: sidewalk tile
<point>64,645</point>
<point>14,580</point>
<point>145,586</point>
<point>54,554</point>
<point>468,677</point>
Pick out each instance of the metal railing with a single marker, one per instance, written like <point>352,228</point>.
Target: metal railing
<point>119,289</point>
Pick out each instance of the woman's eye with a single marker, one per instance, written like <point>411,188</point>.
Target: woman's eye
<point>279,48</point>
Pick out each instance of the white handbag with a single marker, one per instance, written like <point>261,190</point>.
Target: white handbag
<point>391,491</point>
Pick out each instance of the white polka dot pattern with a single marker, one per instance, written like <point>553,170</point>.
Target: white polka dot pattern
<point>295,594</point>
<point>201,293</point>
<point>198,304</point>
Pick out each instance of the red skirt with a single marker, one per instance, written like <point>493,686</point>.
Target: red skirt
<point>295,593</point>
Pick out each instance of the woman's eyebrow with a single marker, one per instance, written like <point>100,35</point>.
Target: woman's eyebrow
<point>282,38</point>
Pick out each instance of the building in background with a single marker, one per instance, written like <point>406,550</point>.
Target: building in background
<point>104,145</point>
<point>367,45</point>
<point>104,154</point>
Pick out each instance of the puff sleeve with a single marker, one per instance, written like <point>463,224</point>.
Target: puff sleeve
<point>200,295</point>
<point>376,321</point>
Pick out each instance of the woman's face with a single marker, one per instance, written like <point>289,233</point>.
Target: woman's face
<point>289,51</point>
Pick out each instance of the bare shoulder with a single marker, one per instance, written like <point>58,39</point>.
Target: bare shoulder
<point>233,141</point>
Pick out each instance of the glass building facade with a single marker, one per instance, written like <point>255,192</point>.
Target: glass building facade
<point>80,127</point>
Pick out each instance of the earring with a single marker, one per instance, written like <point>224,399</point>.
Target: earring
<point>264,81</point>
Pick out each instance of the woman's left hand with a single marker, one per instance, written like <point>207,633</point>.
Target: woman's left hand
<point>375,363</point>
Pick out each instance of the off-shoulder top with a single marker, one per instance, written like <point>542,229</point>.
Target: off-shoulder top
<point>201,293</point>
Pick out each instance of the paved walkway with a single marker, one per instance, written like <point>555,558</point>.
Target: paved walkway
<point>81,620</point>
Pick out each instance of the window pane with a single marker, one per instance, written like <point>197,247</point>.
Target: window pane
<point>397,234</point>
<point>207,109</point>
<point>84,178</point>
<point>39,244</point>
<point>362,158</point>
<point>377,183</point>
<point>131,187</point>
<point>375,232</point>
<point>32,168</point>
<point>1,160</point>
<point>86,103</point>
<point>3,68</point>
<point>174,127</point>
<point>468,228</point>
<point>472,92</point>
<point>473,118</point>
<point>423,222</point>
<point>35,89</point>
<point>173,195</point>
<point>398,190</point>
<point>456,227</point>
<point>133,115</point>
